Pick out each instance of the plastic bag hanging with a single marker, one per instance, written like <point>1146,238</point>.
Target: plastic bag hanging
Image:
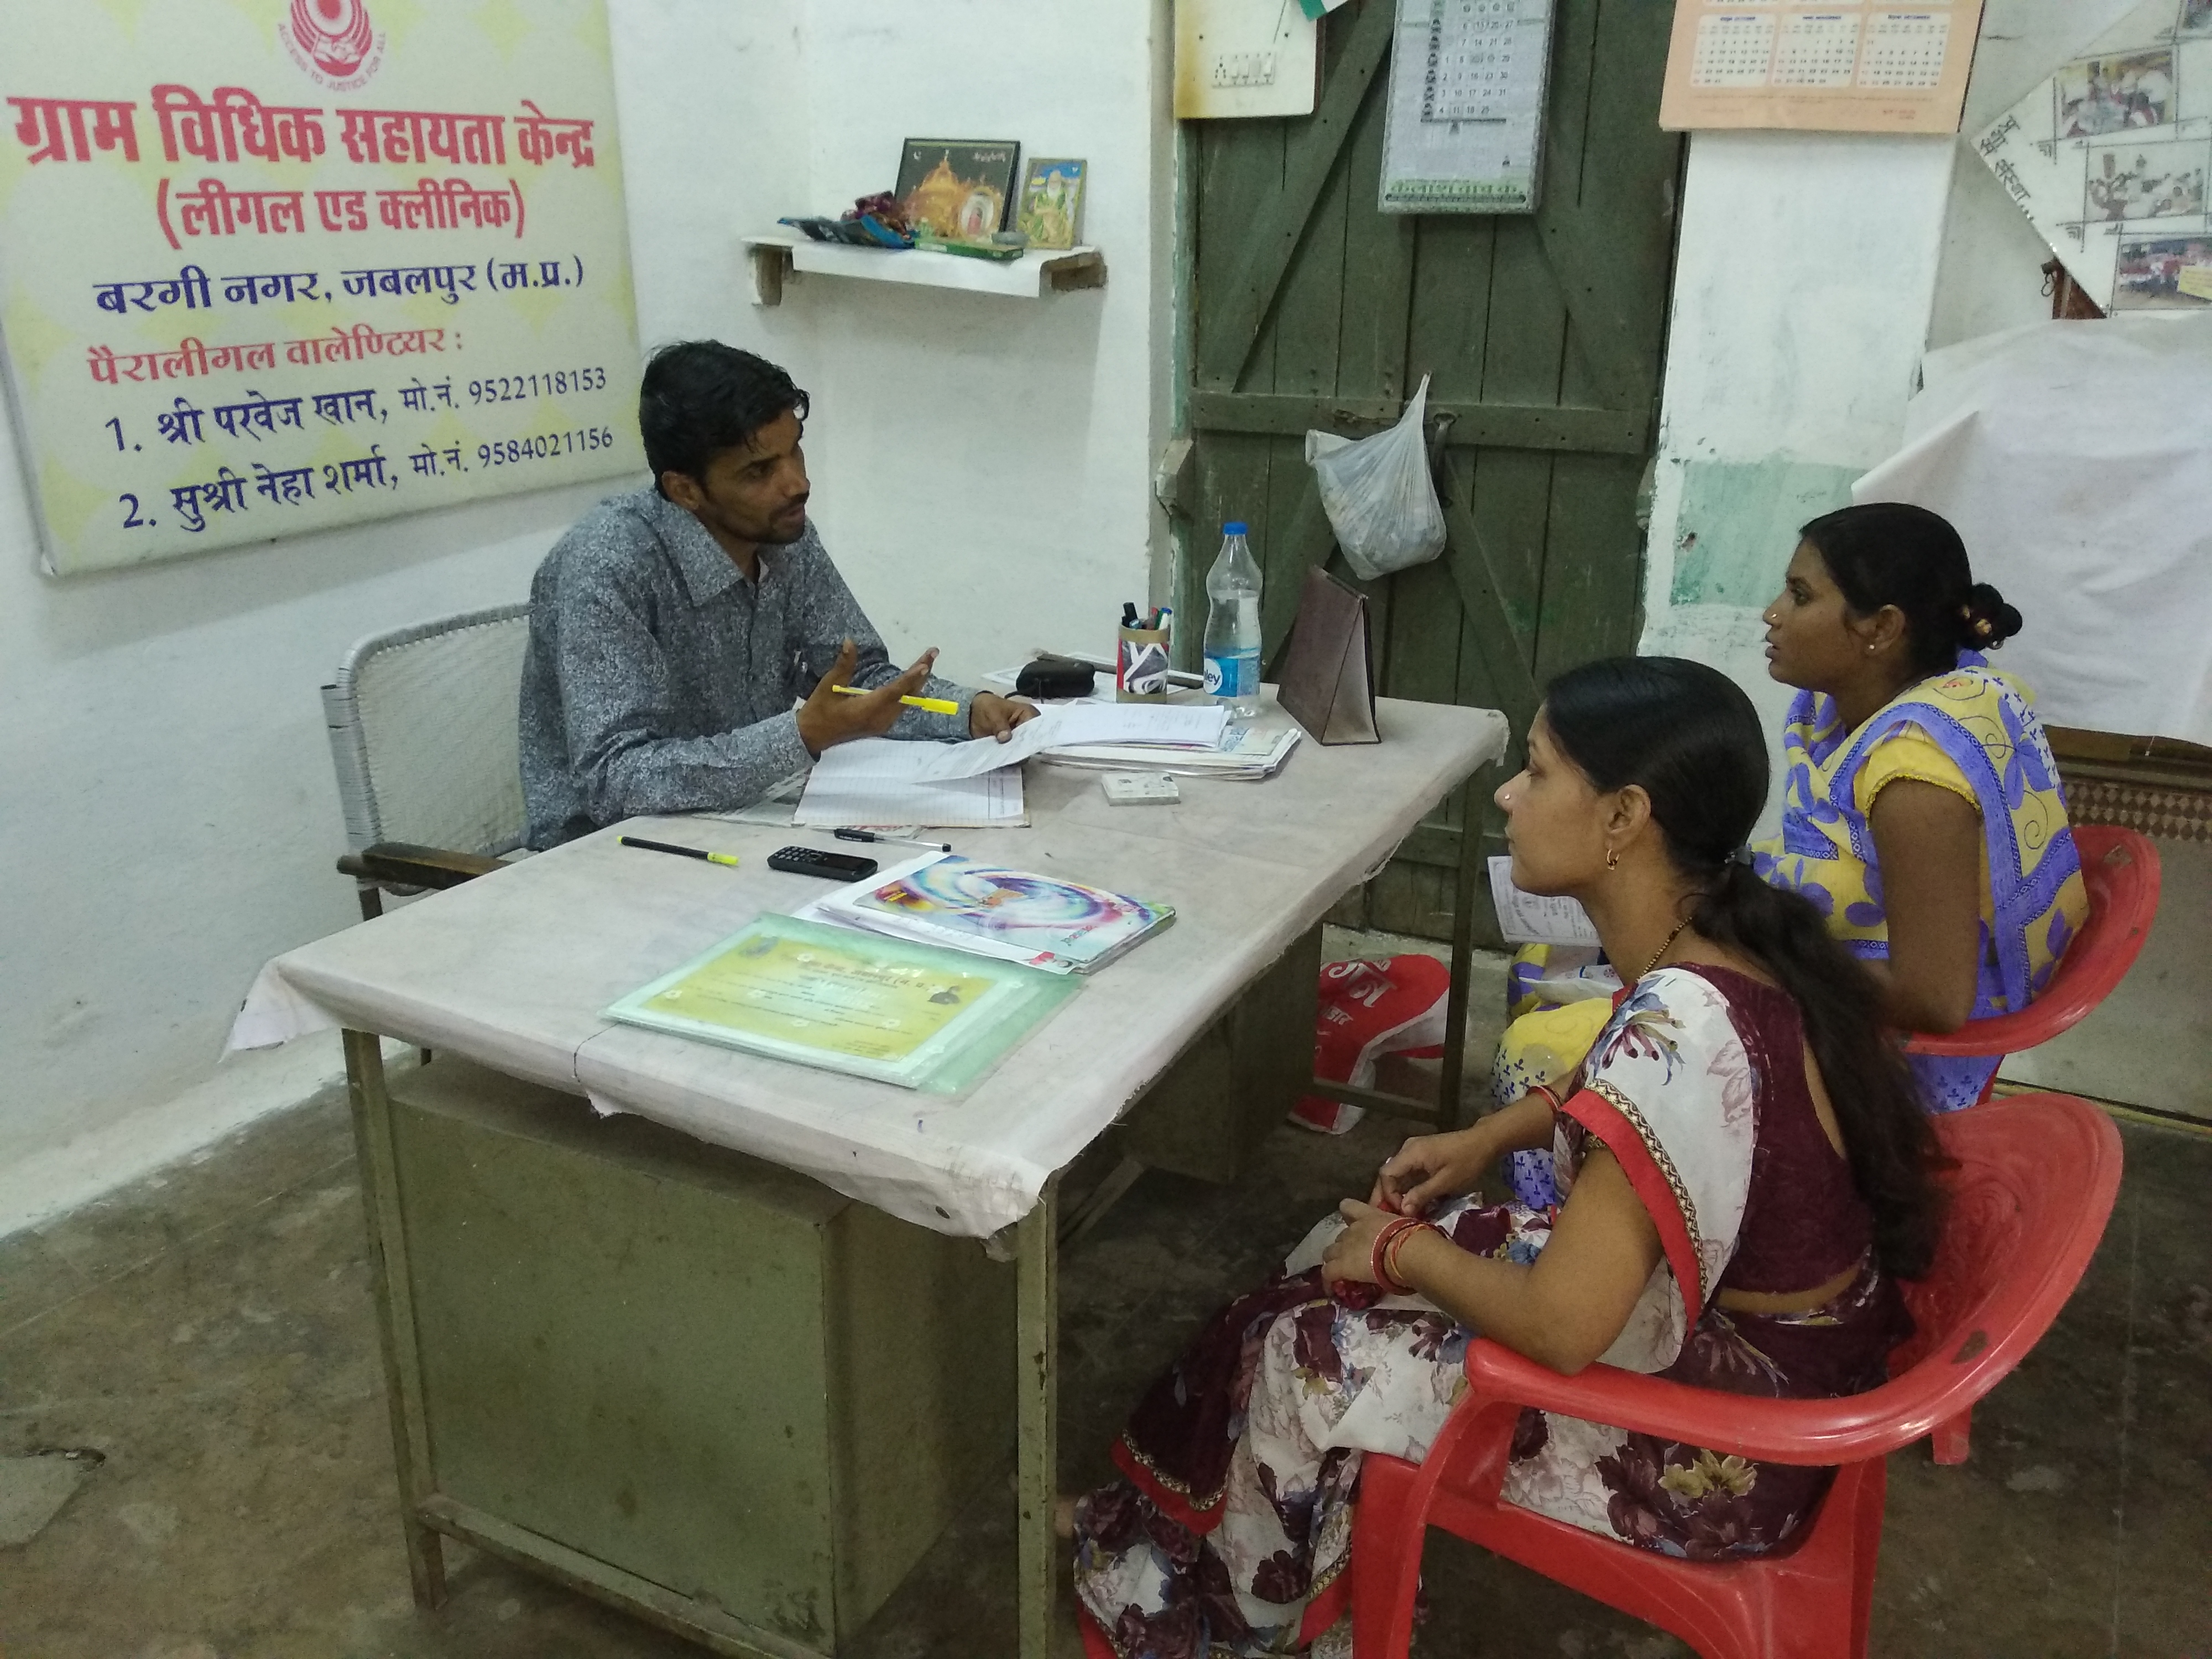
<point>1377,493</point>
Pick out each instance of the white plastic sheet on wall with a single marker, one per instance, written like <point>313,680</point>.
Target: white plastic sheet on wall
<point>2074,458</point>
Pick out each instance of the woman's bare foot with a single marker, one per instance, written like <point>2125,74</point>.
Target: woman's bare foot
<point>1063,1516</point>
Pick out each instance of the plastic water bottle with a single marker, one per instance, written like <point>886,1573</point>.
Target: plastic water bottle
<point>1232,624</point>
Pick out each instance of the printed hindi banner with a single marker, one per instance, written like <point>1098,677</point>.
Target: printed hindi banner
<point>268,266</point>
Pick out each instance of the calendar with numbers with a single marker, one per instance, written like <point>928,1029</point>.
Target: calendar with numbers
<point>1464,129</point>
<point>1849,67</point>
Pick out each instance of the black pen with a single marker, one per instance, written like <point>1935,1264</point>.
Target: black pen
<point>729,859</point>
<point>905,840</point>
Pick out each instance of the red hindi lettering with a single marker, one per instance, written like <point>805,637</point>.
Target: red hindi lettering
<point>53,129</point>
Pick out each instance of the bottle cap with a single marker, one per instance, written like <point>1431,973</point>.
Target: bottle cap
<point>1234,527</point>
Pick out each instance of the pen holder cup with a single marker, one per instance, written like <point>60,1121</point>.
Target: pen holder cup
<point>1140,666</point>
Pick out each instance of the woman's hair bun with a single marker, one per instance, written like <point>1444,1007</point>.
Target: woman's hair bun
<point>1985,621</point>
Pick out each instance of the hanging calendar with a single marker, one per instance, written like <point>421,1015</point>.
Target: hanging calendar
<point>1464,132</point>
<point>1837,68</point>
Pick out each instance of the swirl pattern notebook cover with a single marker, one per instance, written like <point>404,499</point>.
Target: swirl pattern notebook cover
<point>1061,926</point>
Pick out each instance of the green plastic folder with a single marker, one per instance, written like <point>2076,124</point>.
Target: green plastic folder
<point>912,1015</point>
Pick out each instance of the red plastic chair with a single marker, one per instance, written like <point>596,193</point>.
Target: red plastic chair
<point>2035,1183</point>
<point>2121,869</point>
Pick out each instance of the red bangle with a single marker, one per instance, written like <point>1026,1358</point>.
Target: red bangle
<point>1377,1253</point>
<point>1546,1091</point>
<point>1402,1285</point>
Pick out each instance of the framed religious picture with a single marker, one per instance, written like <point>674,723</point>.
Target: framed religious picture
<point>1050,210</point>
<point>958,188</point>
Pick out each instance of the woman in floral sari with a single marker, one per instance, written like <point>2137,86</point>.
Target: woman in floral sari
<point>1922,812</point>
<point>1745,1172</point>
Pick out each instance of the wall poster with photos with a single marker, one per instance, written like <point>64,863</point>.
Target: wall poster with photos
<point>2110,159</point>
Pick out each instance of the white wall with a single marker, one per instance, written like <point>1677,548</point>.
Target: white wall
<point>1814,271</point>
<point>985,463</point>
<point>167,820</point>
<point>1807,265</point>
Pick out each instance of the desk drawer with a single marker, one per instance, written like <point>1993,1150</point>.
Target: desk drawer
<point>701,1370</point>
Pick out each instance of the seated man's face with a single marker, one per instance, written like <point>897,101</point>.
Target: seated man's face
<point>755,493</point>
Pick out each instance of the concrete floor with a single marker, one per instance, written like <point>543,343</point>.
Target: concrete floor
<point>209,1333</point>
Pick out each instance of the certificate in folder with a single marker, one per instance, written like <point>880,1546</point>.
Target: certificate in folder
<point>1327,680</point>
<point>913,1015</point>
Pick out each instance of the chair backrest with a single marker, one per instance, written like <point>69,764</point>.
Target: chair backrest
<point>2120,869</point>
<point>423,723</point>
<point>2034,1186</point>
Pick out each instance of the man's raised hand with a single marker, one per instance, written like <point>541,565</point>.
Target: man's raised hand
<point>826,719</point>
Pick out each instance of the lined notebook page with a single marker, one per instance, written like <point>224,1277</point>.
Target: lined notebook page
<point>873,782</point>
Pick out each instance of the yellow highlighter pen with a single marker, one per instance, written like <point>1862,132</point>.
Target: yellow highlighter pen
<point>729,859</point>
<point>935,705</point>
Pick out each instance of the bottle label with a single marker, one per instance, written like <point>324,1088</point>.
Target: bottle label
<point>1237,676</point>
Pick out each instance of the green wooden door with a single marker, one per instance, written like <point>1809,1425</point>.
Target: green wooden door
<point>1542,337</point>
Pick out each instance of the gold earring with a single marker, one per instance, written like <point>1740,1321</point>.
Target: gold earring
<point>1612,859</point>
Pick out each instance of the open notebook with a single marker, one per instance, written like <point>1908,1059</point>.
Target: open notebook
<point>876,782</point>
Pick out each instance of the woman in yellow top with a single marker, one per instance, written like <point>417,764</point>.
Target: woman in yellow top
<point>1922,812</point>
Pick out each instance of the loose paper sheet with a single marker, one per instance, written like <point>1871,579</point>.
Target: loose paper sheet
<point>1530,919</point>
<point>1848,67</point>
<point>1069,724</point>
<point>2110,157</point>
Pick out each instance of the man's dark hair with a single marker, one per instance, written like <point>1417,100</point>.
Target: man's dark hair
<point>700,398</point>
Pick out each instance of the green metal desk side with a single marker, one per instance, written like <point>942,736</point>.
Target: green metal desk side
<point>684,1380</point>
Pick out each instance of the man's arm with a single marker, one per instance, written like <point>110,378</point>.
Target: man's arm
<point>823,615</point>
<point>615,697</point>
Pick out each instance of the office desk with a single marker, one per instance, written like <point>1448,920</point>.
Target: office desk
<point>511,971</point>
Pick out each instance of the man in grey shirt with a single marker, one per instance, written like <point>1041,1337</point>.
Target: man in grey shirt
<point>673,628</point>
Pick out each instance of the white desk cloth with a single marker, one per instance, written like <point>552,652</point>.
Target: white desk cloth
<point>513,970</point>
<point>2073,458</point>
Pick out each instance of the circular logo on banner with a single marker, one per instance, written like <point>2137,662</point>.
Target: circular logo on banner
<point>334,41</point>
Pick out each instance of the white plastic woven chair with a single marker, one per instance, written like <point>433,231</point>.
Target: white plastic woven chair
<point>423,724</point>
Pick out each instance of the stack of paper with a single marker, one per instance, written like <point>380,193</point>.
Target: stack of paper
<point>1165,726</point>
<point>964,904</point>
<point>878,781</point>
<point>1245,754</point>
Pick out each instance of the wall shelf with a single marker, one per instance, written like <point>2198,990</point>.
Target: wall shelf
<point>775,256</point>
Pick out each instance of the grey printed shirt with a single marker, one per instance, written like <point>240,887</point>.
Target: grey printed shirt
<point>660,679</point>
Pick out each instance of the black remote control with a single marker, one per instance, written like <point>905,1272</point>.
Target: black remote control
<point>814,861</point>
